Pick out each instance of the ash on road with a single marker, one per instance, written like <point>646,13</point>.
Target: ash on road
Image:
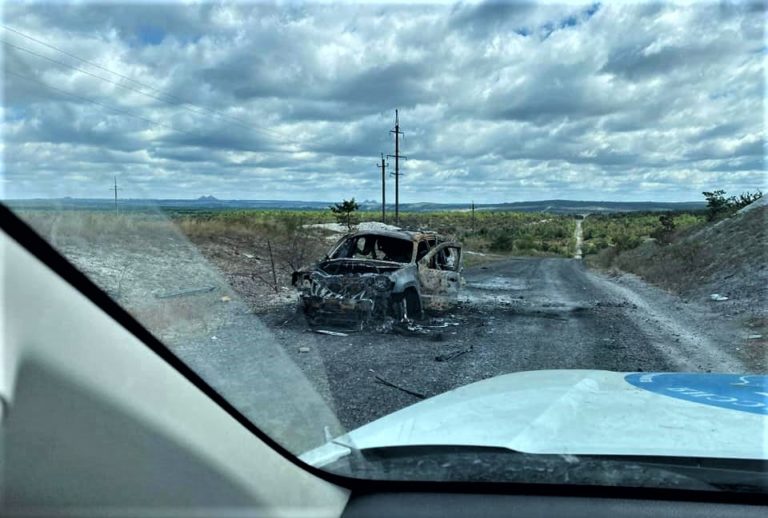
<point>516,315</point>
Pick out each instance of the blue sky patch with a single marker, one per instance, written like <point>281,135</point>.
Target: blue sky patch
<point>150,35</point>
<point>746,393</point>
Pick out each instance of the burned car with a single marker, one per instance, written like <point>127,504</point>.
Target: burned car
<point>372,275</point>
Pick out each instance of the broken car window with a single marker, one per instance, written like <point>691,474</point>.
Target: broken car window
<point>449,259</point>
<point>383,248</point>
<point>422,251</point>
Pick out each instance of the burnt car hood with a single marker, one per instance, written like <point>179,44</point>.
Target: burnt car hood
<point>581,412</point>
<point>358,266</point>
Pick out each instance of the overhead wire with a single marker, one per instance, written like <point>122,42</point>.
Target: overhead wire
<point>174,98</point>
<point>168,99</point>
<point>83,60</point>
<point>97,103</point>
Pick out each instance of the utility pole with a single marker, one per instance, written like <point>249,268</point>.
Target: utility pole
<point>397,156</point>
<point>115,189</point>
<point>383,190</point>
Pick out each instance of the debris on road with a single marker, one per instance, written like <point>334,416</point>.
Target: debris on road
<point>331,333</point>
<point>754,337</point>
<point>717,297</point>
<point>381,380</point>
<point>409,327</point>
<point>452,355</point>
<point>184,293</point>
<point>303,349</point>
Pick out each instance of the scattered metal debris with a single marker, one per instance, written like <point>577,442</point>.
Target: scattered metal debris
<point>286,322</point>
<point>453,355</point>
<point>184,293</point>
<point>327,332</point>
<point>409,327</point>
<point>381,380</point>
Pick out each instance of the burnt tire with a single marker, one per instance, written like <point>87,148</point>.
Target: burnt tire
<point>407,306</point>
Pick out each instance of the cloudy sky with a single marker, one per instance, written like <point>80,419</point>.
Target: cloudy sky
<point>498,101</point>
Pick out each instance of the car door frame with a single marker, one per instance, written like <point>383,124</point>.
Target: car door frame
<point>439,287</point>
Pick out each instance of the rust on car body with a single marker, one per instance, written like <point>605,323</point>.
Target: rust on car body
<point>367,276</point>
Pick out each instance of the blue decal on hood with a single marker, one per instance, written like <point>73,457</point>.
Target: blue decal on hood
<point>747,393</point>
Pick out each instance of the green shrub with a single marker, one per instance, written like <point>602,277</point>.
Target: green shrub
<point>501,243</point>
<point>666,229</point>
<point>626,241</point>
<point>718,206</point>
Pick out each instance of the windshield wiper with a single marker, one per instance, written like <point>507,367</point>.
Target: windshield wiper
<point>493,464</point>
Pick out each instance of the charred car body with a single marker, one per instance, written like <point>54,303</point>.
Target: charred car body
<point>371,275</point>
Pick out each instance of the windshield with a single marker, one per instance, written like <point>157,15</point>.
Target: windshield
<point>516,242</point>
<point>372,246</point>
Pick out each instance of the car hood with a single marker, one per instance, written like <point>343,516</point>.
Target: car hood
<point>581,412</point>
<point>347,266</point>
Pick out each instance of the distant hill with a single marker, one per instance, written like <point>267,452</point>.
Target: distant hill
<point>563,206</point>
<point>213,203</point>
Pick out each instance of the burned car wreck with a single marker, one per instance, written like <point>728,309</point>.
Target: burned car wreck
<point>369,276</point>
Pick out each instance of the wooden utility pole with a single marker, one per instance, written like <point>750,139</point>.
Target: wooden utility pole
<point>397,156</point>
<point>115,189</point>
<point>383,190</point>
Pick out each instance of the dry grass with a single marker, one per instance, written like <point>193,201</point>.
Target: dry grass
<point>728,249</point>
<point>84,227</point>
<point>181,315</point>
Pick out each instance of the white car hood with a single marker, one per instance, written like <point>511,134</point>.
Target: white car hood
<point>581,412</point>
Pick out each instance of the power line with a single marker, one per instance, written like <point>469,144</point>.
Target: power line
<point>169,96</point>
<point>174,102</point>
<point>86,99</point>
<point>84,71</point>
<point>107,107</point>
<point>91,63</point>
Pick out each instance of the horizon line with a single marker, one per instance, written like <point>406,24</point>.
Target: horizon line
<point>213,199</point>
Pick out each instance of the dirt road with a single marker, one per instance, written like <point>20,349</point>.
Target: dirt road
<point>578,236</point>
<point>519,314</point>
<point>516,315</point>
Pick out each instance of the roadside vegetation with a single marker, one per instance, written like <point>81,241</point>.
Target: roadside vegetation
<point>502,233</point>
<point>281,241</point>
<point>607,236</point>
